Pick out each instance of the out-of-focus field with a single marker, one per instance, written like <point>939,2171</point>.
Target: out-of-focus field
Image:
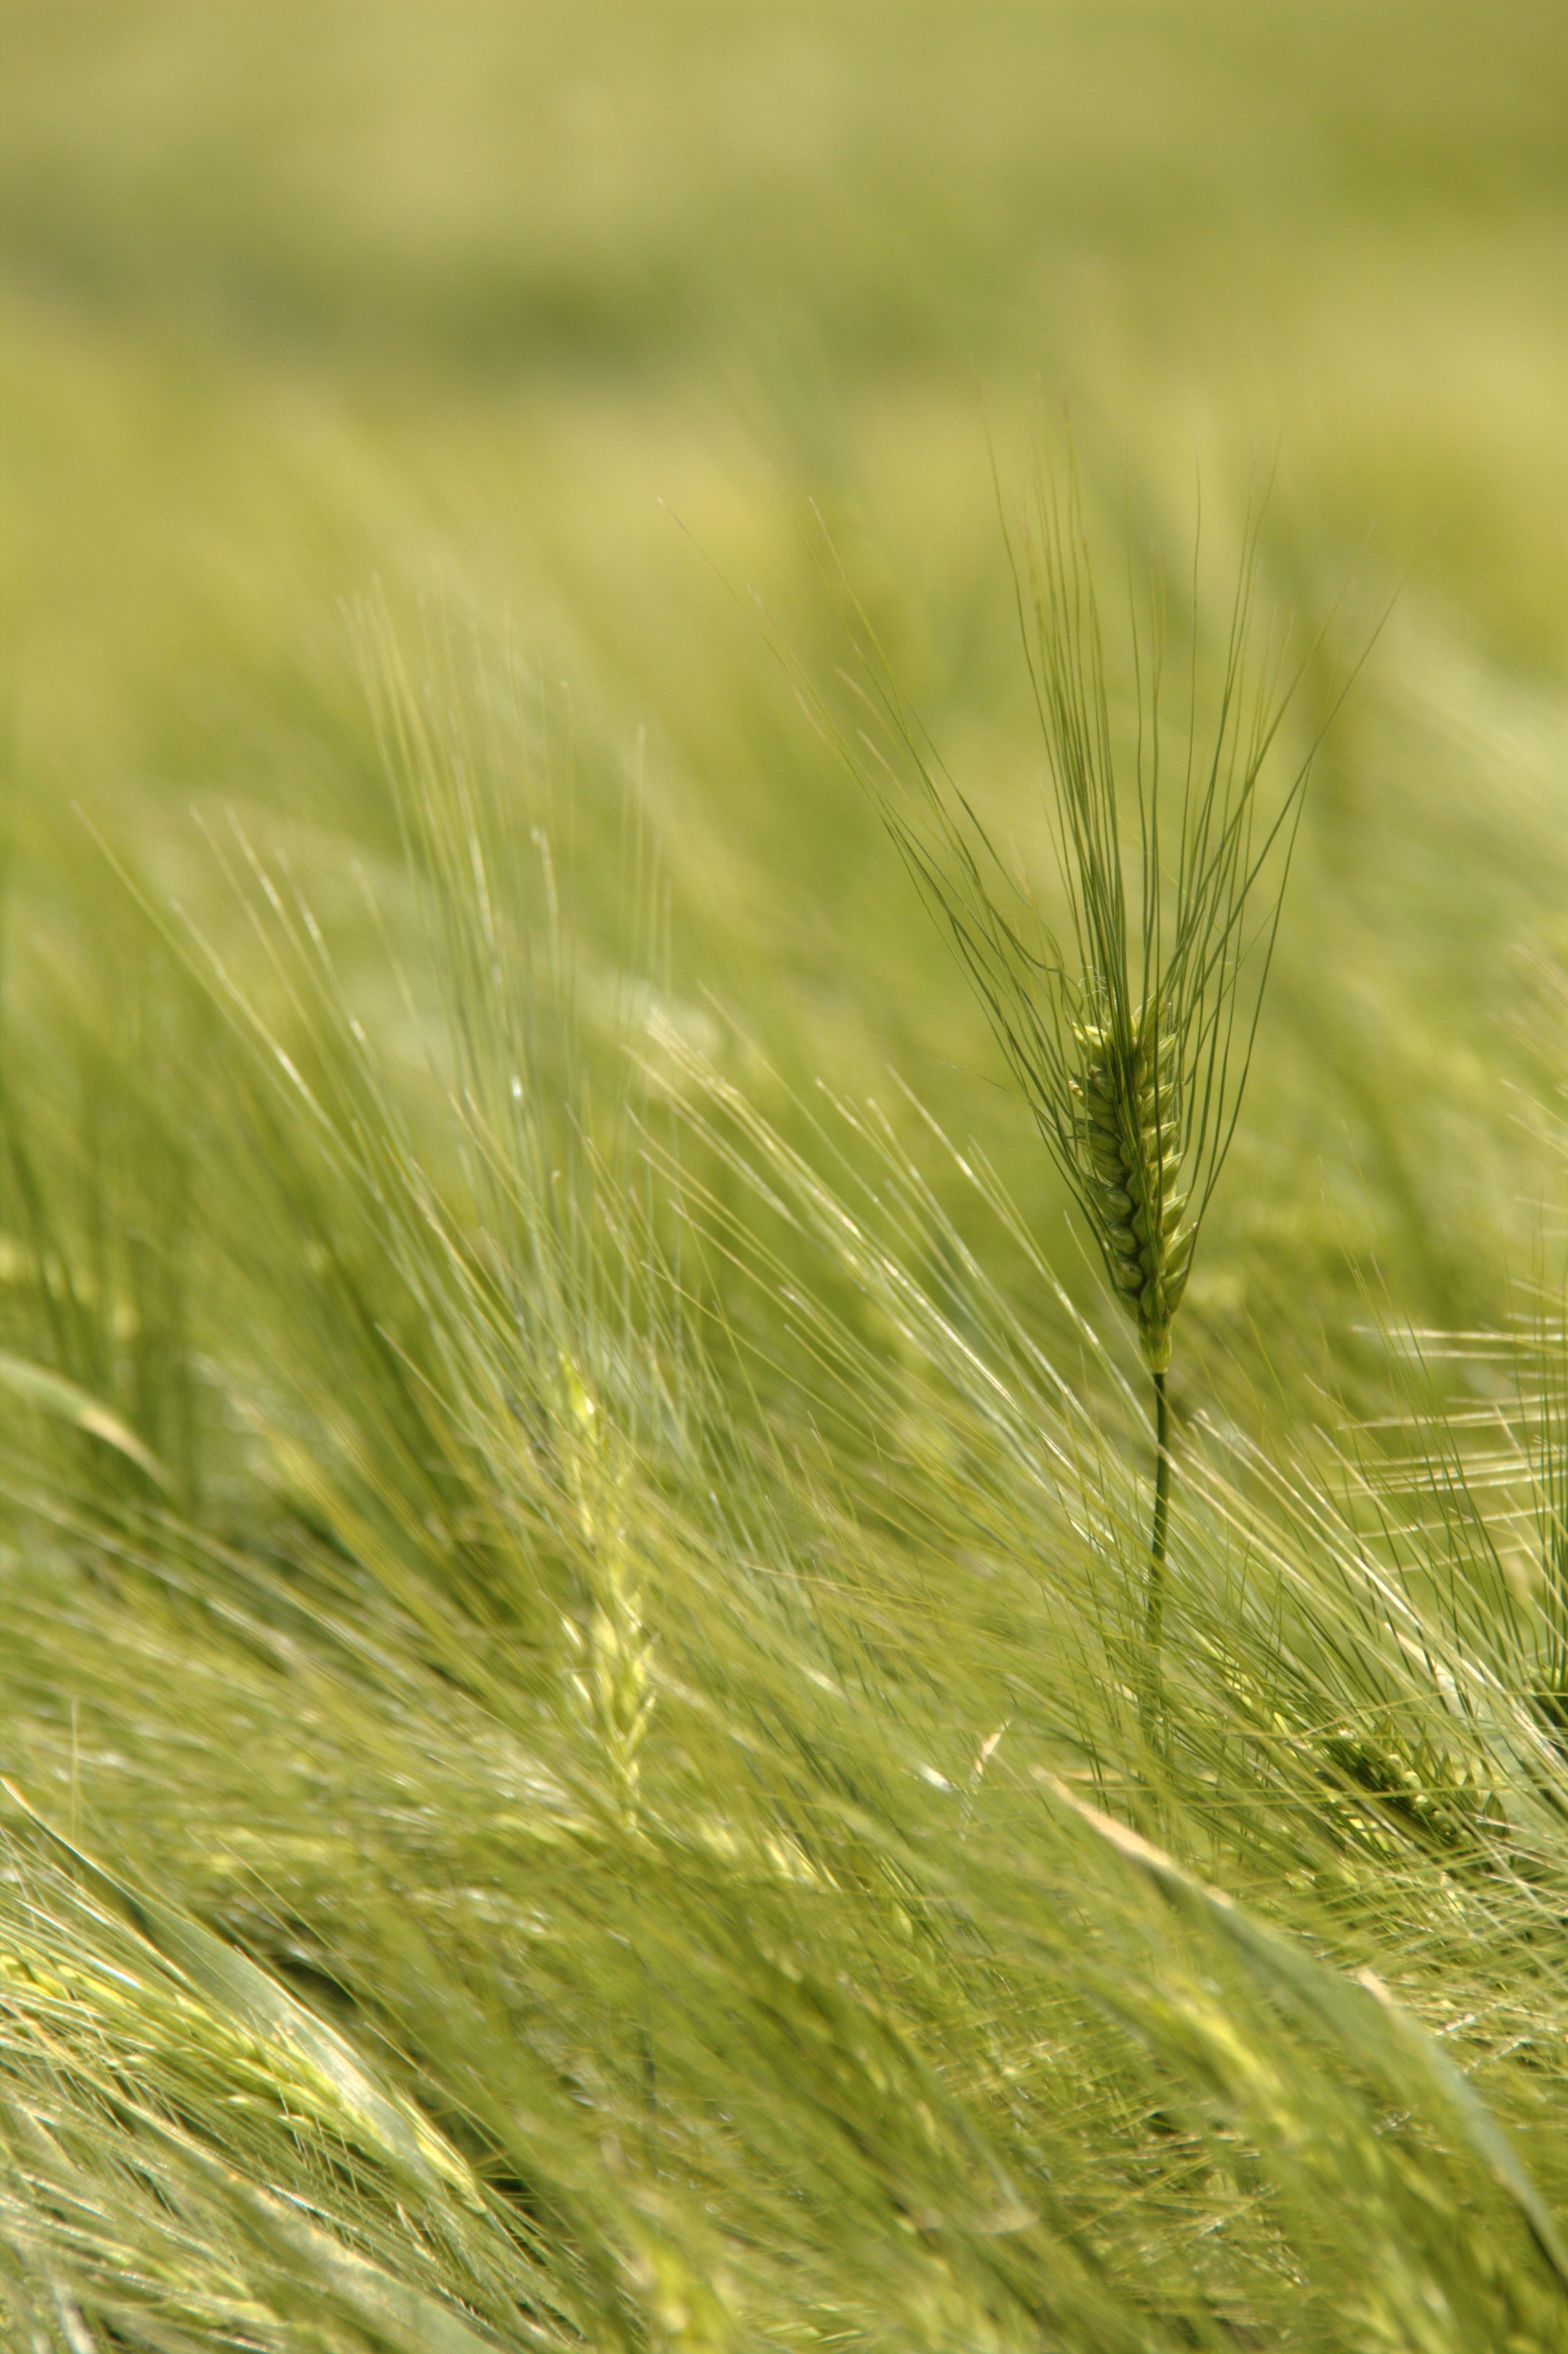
<point>615,1621</point>
<point>470,301</point>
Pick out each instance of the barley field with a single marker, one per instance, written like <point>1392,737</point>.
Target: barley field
<point>783,1401</point>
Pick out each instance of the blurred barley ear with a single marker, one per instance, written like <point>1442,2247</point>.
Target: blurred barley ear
<point>1130,1027</point>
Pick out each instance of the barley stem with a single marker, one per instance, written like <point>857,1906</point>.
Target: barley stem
<point>1154,1604</point>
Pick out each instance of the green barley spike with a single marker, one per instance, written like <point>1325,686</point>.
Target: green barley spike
<point>1131,1149</point>
<point>1129,1032</point>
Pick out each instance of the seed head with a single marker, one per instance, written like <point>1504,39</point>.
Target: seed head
<point>1129,1146</point>
<point>1129,1034</point>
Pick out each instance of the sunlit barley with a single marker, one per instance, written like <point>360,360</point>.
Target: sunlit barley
<point>1130,1028</point>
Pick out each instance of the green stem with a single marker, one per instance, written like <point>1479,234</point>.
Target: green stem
<point>1154,1602</point>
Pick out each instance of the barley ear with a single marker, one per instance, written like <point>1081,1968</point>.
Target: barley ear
<point>1129,1146</point>
<point>1130,1034</point>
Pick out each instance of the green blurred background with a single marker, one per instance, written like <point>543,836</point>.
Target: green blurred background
<point>550,333</point>
<point>553,321</point>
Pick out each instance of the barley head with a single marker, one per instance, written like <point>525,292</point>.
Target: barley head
<point>1129,1027</point>
<point>1127,1097</point>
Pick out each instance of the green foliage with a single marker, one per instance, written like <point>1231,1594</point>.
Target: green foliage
<point>572,1556</point>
